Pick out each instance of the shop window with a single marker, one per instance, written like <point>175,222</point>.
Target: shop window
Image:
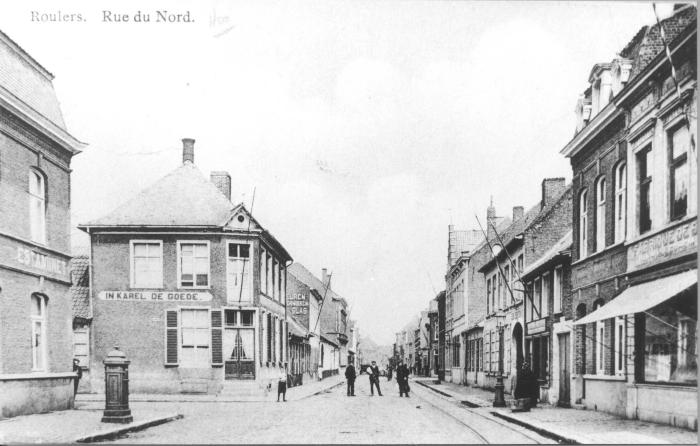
<point>670,343</point>
<point>193,262</point>
<point>619,352</point>
<point>81,345</point>
<point>620,202</point>
<point>644,179</point>
<point>557,290</point>
<point>678,141</point>
<point>37,207</point>
<point>146,264</point>
<point>600,214</point>
<point>583,224</point>
<point>194,337</point>
<point>39,331</point>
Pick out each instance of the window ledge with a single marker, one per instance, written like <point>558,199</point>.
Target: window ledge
<point>36,375</point>
<point>605,378</point>
<point>666,386</point>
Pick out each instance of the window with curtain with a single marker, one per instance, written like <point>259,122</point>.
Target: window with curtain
<point>39,332</point>
<point>194,265</point>
<point>678,164</point>
<point>194,331</point>
<point>620,202</point>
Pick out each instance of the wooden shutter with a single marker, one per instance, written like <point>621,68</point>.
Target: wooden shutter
<point>217,356</point>
<point>172,328</point>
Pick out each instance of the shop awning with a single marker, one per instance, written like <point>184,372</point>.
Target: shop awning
<point>295,329</point>
<point>644,296</point>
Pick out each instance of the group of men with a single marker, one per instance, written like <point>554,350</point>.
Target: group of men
<point>402,373</point>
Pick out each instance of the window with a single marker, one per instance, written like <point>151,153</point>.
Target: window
<point>37,207</point>
<point>644,178</point>
<point>678,151</point>
<point>583,224</point>
<point>536,299</point>
<point>499,296</point>
<point>455,351</point>
<point>238,280</point>
<point>269,275</point>
<point>269,337</point>
<point>599,344</point>
<point>193,260</point>
<point>546,292</point>
<point>283,284</point>
<point>146,264</point>
<point>263,271</point>
<point>670,344</point>
<point>275,278</point>
<point>619,352</point>
<point>488,295</point>
<point>81,345</point>
<point>38,320</point>
<point>557,288</point>
<point>194,331</point>
<point>600,215</point>
<point>620,202</point>
<point>506,273</point>
<point>520,270</point>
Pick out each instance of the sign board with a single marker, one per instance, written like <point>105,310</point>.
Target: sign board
<point>666,245</point>
<point>33,259</point>
<point>156,296</point>
<point>298,306</point>
<point>535,327</point>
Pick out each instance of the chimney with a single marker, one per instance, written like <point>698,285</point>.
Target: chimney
<point>491,221</point>
<point>552,188</point>
<point>187,150</point>
<point>324,277</point>
<point>518,212</point>
<point>222,181</point>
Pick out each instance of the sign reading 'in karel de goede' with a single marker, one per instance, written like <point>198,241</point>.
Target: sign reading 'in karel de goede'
<point>155,296</point>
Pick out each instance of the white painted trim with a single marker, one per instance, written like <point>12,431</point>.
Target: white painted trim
<point>194,275</point>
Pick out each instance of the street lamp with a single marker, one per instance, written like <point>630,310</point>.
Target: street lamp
<point>499,397</point>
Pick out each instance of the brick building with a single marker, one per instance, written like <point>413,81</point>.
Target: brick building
<point>634,271</point>
<point>35,306</point>
<point>190,286</point>
<point>303,304</point>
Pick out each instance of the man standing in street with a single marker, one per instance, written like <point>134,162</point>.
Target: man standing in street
<point>79,374</point>
<point>374,378</point>
<point>402,373</point>
<point>350,377</point>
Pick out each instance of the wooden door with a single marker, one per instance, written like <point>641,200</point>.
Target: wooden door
<point>564,370</point>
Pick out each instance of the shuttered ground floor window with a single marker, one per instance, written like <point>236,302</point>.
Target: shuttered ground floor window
<point>193,337</point>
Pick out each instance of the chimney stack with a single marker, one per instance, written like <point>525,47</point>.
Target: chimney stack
<point>324,277</point>
<point>187,150</point>
<point>491,221</point>
<point>518,212</point>
<point>552,188</point>
<point>222,181</point>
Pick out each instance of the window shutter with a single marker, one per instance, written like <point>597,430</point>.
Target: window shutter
<point>171,337</point>
<point>217,356</point>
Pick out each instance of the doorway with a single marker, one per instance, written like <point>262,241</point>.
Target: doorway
<point>239,344</point>
<point>518,341</point>
<point>564,370</point>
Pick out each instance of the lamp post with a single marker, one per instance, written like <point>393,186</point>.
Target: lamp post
<point>499,397</point>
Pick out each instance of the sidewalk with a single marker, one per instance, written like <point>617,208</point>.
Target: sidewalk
<point>568,425</point>
<point>293,394</point>
<point>75,426</point>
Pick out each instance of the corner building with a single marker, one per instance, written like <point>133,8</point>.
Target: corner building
<point>36,370</point>
<point>191,287</point>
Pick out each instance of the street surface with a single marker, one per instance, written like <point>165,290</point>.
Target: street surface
<point>331,417</point>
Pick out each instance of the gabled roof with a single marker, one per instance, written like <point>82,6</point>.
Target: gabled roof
<point>184,197</point>
<point>302,274</point>
<point>462,241</point>
<point>80,287</point>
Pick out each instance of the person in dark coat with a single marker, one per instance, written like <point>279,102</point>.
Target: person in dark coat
<point>402,373</point>
<point>79,372</point>
<point>388,373</point>
<point>374,378</point>
<point>526,385</point>
<point>350,377</point>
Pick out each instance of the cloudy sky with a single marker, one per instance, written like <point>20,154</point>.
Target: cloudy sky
<point>364,127</point>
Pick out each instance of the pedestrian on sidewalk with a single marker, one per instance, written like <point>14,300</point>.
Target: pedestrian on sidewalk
<point>79,374</point>
<point>374,378</point>
<point>282,385</point>
<point>350,377</point>
<point>402,373</point>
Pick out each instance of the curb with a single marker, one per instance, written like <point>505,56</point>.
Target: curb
<point>321,391</point>
<point>433,389</point>
<point>110,434</point>
<point>542,431</point>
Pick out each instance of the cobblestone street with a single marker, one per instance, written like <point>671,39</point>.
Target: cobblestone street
<point>330,417</point>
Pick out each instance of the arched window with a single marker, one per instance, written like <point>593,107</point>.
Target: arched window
<point>620,202</point>
<point>37,207</point>
<point>600,215</point>
<point>38,320</point>
<point>583,224</point>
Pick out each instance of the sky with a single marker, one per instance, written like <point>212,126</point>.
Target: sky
<point>364,127</point>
